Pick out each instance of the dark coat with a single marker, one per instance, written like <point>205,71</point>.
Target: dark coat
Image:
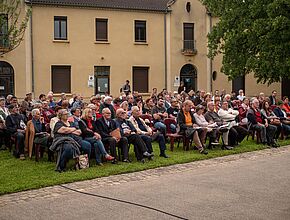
<point>83,124</point>
<point>104,129</point>
<point>181,120</point>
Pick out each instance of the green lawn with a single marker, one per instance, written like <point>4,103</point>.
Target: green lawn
<point>16,175</point>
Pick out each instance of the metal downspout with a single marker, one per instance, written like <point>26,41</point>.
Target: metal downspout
<point>32,55</point>
<point>165,47</point>
<point>211,64</point>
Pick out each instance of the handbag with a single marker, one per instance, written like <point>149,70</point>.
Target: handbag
<point>83,161</point>
<point>116,133</point>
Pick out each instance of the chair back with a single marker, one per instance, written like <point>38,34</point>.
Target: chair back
<point>168,122</point>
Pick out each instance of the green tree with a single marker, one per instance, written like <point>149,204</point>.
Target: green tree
<point>253,36</point>
<point>13,22</point>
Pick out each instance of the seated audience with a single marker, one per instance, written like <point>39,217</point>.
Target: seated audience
<point>16,126</point>
<point>129,132</point>
<point>261,124</point>
<point>237,132</point>
<point>91,134</point>
<point>106,126</point>
<point>146,133</point>
<point>36,134</point>
<point>189,128</point>
<point>210,128</point>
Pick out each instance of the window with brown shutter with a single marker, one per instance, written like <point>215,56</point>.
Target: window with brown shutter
<point>140,79</point>
<point>188,36</point>
<point>61,79</point>
<point>101,29</point>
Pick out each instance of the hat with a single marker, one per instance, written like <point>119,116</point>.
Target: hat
<point>2,98</point>
<point>29,93</point>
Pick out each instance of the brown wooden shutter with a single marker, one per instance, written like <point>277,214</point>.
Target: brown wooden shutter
<point>140,79</point>
<point>61,79</point>
<point>101,29</point>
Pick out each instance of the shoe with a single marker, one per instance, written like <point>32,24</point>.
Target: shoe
<point>215,143</point>
<point>203,152</point>
<point>109,157</point>
<point>142,161</point>
<point>100,164</point>
<point>22,157</point>
<point>146,154</point>
<point>126,161</point>
<point>164,155</point>
<point>226,147</point>
<point>114,161</point>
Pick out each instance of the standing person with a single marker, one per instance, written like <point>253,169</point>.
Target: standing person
<point>272,97</point>
<point>126,88</point>
<point>181,88</point>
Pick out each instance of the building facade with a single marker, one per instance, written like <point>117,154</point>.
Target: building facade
<point>90,47</point>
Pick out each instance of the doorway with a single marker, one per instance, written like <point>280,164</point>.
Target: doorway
<point>6,79</point>
<point>238,83</point>
<point>188,75</point>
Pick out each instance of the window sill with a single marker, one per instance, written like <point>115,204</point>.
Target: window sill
<point>61,41</point>
<point>141,43</point>
<point>102,42</point>
<point>145,93</point>
<point>59,94</point>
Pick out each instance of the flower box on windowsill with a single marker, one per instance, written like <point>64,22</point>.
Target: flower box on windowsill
<point>189,52</point>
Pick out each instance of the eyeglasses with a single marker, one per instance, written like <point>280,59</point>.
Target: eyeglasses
<point>107,113</point>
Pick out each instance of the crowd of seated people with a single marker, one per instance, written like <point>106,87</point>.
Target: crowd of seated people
<point>105,127</point>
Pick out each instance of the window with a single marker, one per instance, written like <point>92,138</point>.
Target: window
<point>140,79</point>
<point>188,36</point>
<point>101,29</point>
<point>4,41</point>
<point>140,31</point>
<point>102,79</point>
<point>61,79</point>
<point>60,28</point>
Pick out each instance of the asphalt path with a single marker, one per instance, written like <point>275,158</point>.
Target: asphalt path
<point>244,189</point>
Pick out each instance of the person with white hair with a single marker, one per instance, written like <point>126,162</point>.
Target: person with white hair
<point>36,133</point>
<point>108,104</point>
<point>241,95</point>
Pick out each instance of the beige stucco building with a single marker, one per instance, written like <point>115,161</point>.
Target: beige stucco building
<point>90,47</point>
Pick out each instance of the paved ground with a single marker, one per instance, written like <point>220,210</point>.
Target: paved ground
<point>247,186</point>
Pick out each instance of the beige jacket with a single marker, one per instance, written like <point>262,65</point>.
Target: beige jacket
<point>134,122</point>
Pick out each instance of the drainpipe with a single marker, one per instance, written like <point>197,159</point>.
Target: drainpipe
<point>165,47</point>
<point>211,64</point>
<point>32,55</point>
